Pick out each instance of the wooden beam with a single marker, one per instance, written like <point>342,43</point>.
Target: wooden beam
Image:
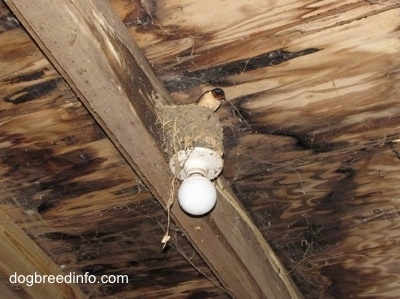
<point>22,258</point>
<point>95,54</point>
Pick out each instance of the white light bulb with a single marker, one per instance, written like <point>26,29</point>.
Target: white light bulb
<point>197,195</point>
<point>196,167</point>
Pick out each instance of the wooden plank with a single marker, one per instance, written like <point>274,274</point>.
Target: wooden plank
<point>21,256</point>
<point>93,51</point>
<point>349,76</point>
<point>337,214</point>
<point>314,157</point>
<point>66,185</point>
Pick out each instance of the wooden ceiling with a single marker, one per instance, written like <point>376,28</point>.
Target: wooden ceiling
<point>311,133</point>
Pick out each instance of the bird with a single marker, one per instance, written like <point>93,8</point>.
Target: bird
<point>212,99</point>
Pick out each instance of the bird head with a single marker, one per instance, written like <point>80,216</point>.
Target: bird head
<point>219,94</point>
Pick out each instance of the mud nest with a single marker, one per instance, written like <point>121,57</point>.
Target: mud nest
<point>188,126</point>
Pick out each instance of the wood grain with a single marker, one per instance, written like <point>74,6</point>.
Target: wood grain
<point>310,140</point>
<point>22,257</point>
<point>320,213</point>
<point>123,77</point>
<point>71,192</point>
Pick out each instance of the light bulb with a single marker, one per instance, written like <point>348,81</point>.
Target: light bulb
<point>196,168</point>
<point>197,195</point>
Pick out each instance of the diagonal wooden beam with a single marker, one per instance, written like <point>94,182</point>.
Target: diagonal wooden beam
<point>93,51</point>
<point>21,260</point>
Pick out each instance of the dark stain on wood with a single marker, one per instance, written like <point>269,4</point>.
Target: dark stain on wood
<point>133,190</point>
<point>32,92</point>
<point>127,233</point>
<point>313,225</point>
<point>74,195</point>
<point>139,16</point>
<point>315,232</point>
<point>7,19</point>
<point>328,207</point>
<point>343,282</point>
<point>311,155</point>
<point>248,122</point>
<point>143,17</point>
<point>305,135</point>
<point>56,185</point>
<point>32,76</point>
<point>214,74</point>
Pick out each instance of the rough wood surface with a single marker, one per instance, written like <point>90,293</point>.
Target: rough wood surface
<point>311,134</point>
<point>311,141</point>
<point>65,184</point>
<point>20,256</point>
<point>119,91</point>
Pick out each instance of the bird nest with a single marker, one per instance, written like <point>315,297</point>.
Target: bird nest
<point>188,126</point>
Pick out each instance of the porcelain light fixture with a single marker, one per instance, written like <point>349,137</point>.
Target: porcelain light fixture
<point>197,167</point>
